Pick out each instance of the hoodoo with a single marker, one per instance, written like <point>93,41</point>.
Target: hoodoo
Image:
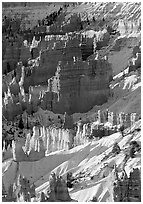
<point>71,102</point>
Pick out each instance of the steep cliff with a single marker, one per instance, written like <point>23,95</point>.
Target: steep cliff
<point>73,85</point>
<point>69,58</point>
<point>73,58</point>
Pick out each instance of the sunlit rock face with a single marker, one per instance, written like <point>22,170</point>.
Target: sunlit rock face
<point>128,27</point>
<point>46,138</point>
<point>65,81</point>
<point>60,58</point>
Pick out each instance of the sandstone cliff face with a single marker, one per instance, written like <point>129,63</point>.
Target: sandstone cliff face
<point>129,27</point>
<point>83,77</point>
<point>128,189</point>
<point>47,138</point>
<point>10,56</point>
<point>66,82</point>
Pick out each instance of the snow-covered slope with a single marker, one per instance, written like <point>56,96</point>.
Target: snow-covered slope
<point>92,165</point>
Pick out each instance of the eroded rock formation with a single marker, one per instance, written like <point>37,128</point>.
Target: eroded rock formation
<point>65,82</point>
<point>63,71</point>
<point>128,189</point>
<point>58,189</point>
<point>28,146</point>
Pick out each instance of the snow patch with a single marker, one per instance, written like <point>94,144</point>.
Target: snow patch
<point>130,81</point>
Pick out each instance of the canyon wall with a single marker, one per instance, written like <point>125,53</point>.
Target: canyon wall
<point>29,146</point>
<point>57,78</point>
<point>62,68</point>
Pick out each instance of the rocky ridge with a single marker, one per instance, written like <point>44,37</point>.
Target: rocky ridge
<point>70,52</point>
